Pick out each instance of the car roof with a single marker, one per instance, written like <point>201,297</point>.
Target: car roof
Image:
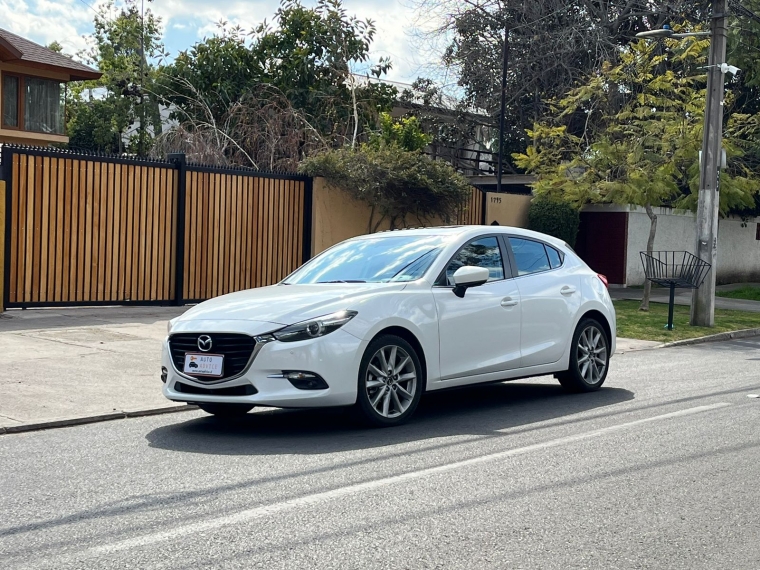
<point>465,232</point>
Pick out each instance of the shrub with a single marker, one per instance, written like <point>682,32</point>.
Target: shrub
<point>556,218</point>
<point>398,185</point>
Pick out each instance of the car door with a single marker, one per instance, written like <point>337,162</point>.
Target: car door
<point>549,296</point>
<point>480,332</point>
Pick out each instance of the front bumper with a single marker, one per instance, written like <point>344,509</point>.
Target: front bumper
<point>335,357</point>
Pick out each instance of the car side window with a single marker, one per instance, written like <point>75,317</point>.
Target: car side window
<point>483,252</point>
<point>555,259</point>
<point>530,256</point>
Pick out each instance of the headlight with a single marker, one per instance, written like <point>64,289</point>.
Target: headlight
<point>315,327</point>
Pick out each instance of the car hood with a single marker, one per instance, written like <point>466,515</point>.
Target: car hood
<point>286,304</point>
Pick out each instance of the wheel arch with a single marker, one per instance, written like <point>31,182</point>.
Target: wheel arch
<point>601,319</point>
<point>409,337</point>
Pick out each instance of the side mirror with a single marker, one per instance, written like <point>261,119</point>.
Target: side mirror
<point>469,276</point>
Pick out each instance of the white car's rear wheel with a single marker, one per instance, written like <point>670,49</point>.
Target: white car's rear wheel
<point>390,381</point>
<point>589,358</point>
<point>226,410</point>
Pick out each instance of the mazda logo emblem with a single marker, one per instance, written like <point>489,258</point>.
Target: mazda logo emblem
<point>204,343</point>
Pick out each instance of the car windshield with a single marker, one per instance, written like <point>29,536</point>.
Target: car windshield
<point>374,260</point>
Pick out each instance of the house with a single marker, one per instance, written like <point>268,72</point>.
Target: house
<point>33,83</point>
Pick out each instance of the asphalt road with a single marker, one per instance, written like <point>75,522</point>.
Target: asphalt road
<point>659,469</point>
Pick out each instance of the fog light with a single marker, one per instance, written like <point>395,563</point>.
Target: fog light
<point>164,374</point>
<point>305,380</point>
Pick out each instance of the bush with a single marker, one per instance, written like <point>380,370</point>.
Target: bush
<point>556,218</point>
<point>398,185</point>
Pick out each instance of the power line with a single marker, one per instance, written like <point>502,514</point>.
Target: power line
<point>89,6</point>
<point>743,11</point>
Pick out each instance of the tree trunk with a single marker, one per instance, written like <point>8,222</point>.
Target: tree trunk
<point>650,247</point>
<point>371,219</point>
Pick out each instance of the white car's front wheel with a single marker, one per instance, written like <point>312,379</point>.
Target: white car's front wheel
<point>390,381</point>
<point>589,358</point>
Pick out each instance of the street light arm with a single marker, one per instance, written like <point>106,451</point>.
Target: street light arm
<point>691,35</point>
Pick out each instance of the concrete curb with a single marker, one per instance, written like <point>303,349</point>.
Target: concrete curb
<point>68,422</point>
<point>745,333</point>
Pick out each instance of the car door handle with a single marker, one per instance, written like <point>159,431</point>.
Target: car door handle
<point>508,302</point>
<point>567,290</point>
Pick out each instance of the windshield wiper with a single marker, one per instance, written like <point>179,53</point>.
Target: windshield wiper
<point>344,281</point>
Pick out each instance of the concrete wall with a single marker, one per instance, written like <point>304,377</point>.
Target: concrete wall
<point>738,250</point>
<point>507,209</point>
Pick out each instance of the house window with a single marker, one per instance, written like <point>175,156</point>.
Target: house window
<point>33,104</point>
<point>43,106</point>
<point>10,101</point>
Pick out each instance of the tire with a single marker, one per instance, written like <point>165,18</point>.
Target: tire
<point>584,374</point>
<point>389,399</point>
<point>226,410</point>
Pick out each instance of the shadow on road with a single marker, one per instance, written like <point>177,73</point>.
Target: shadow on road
<point>480,410</point>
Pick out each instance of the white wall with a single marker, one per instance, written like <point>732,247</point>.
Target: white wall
<point>738,250</point>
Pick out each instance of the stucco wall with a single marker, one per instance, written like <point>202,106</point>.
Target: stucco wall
<point>507,209</point>
<point>336,216</point>
<point>738,250</point>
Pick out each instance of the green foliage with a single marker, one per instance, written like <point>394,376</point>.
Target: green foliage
<point>405,133</point>
<point>398,185</point>
<point>308,56</point>
<point>93,127</point>
<point>124,47</point>
<point>554,217</point>
<point>631,134</point>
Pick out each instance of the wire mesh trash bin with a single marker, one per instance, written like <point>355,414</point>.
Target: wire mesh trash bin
<point>674,269</point>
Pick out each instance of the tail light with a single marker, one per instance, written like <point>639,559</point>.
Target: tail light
<point>603,279</point>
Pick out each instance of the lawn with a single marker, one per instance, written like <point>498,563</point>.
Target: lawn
<point>632,323</point>
<point>749,293</point>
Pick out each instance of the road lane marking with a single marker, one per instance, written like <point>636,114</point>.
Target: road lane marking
<point>305,501</point>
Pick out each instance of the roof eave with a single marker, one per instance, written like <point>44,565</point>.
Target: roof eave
<point>75,74</point>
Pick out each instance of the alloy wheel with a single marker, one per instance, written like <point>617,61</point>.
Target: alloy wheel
<point>391,381</point>
<point>592,355</point>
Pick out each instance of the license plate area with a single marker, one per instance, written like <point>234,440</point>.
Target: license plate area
<point>206,365</point>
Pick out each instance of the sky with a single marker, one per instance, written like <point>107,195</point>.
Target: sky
<point>188,21</point>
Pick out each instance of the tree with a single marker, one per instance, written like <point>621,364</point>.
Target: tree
<point>125,47</point>
<point>639,125</point>
<point>552,45</point>
<point>405,133</point>
<point>308,57</point>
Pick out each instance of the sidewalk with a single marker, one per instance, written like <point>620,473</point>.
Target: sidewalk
<point>82,362</point>
<point>683,297</point>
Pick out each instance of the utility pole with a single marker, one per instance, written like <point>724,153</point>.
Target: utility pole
<point>141,136</point>
<point>703,299</point>
<point>505,62</point>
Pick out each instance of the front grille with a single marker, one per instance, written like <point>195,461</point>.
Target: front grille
<point>246,390</point>
<point>236,349</point>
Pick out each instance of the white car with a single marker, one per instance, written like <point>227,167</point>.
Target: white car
<point>377,320</point>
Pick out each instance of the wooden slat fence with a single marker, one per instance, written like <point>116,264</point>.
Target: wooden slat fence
<point>87,230</point>
<point>473,212</point>
<point>241,231</point>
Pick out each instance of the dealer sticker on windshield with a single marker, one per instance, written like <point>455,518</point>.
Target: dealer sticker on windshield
<point>204,364</point>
